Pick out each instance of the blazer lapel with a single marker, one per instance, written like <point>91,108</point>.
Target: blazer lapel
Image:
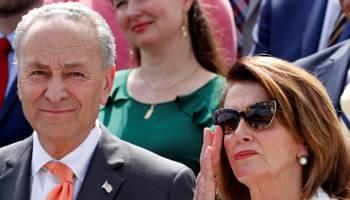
<point>17,176</point>
<point>333,72</point>
<point>106,158</point>
<point>313,27</point>
<point>12,96</point>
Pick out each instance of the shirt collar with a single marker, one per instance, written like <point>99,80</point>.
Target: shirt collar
<point>10,37</point>
<point>78,160</point>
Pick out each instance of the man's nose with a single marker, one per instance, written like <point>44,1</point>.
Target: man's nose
<point>56,89</point>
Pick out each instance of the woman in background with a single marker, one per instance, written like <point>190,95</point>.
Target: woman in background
<point>281,138</point>
<point>164,104</point>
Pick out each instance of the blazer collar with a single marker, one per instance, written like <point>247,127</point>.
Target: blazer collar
<point>107,157</point>
<point>333,72</point>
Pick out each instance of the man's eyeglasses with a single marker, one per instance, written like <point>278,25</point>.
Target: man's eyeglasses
<point>257,116</point>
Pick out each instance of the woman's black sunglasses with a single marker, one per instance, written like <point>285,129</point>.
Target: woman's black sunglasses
<point>257,116</point>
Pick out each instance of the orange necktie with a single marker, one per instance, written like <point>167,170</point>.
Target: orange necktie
<point>64,190</point>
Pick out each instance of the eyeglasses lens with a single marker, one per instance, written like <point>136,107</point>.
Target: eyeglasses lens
<point>259,117</point>
<point>228,121</point>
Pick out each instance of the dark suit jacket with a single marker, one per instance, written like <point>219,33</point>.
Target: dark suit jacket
<point>291,29</point>
<point>330,66</point>
<point>133,172</point>
<point>13,125</point>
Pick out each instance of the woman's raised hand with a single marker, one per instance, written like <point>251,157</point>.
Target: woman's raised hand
<point>210,157</point>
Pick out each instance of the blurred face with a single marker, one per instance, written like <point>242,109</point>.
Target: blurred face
<point>345,4</point>
<point>258,154</point>
<point>61,82</point>
<point>12,7</point>
<point>145,22</point>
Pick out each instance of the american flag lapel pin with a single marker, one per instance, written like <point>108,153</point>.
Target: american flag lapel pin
<point>107,187</point>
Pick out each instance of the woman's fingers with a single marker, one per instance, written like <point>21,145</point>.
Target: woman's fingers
<point>206,182</point>
<point>207,139</point>
<point>217,144</point>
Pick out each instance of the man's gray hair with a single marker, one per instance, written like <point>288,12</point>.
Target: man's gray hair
<point>76,12</point>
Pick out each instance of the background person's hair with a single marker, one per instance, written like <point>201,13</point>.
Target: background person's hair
<point>307,114</point>
<point>204,45</point>
<point>70,11</point>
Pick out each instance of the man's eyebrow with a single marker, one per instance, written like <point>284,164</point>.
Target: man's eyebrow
<point>43,66</point>
<point>72,65</point>
<point>38,65</point>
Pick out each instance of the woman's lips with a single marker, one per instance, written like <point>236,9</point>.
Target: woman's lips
<point>141,26</point>
<point>245,154</point>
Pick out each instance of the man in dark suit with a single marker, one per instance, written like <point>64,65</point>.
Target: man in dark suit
<point>331,67</point>
<point>292,29</point>
<point>13,125</point>
<point>65,54</point>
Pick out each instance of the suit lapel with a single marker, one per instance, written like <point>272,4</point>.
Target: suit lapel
<point>333,72</point>
<point>313,27</point>
<point>106,158</point>
<point>17,176</point>
<point>11,98</point>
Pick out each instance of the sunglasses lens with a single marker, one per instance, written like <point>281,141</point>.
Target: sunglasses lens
<point>259,116</point>
<point>228,121</point>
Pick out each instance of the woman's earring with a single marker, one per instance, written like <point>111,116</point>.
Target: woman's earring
<point>132,51</point>
<point>303,160</point>
<point>183,27</point>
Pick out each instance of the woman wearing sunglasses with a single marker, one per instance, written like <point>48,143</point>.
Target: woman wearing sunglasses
<point>277,137</point>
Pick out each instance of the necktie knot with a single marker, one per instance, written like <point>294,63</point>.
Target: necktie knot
<point>5,45</point>
<point>64,190</point>
<point>61,171</point>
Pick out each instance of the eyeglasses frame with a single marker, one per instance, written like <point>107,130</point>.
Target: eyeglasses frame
<point>242,113</point>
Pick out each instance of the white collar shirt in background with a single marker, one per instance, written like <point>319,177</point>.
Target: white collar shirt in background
<point>13,69</point>
<point>42,181</point>
<point>331,16</point>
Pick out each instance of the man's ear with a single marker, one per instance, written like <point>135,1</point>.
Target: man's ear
<point>18,88</point>
<point>107,84</point>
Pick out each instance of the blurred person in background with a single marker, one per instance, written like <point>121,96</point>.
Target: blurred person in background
<point>164,104</point>
<point>295,29</point>
<point>332,68</point>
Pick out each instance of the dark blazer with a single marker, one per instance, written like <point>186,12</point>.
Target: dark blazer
<point>291,29</point>
<point>13,125</point>
<point>330,66</point>
<point>133,172</point>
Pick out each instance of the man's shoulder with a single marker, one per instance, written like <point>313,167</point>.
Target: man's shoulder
<point>10,154</point>
<point>145,174</point>
<point>335,52</point>
<point>136,157</point>
<point>142,158</point>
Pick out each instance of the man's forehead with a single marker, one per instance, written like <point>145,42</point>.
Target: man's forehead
<point>49,31</point>
<point>60,42</point>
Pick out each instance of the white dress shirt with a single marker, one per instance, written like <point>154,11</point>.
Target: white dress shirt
<point>331,16</point>
<point>13,69</point>
<point>321,195</point>
<point>42,181</point>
